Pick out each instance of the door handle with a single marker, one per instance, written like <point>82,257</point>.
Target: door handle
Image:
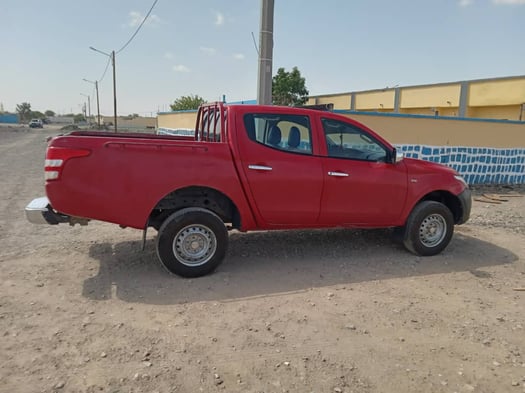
<point>338,174</point>
<point>260,167</point>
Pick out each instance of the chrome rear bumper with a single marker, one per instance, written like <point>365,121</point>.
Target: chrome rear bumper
<point>39,211</point>
<point>36,210</point>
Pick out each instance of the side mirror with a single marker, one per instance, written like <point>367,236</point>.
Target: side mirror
<point>397,156</point>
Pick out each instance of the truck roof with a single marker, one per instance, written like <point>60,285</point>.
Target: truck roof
<point>273,108</point>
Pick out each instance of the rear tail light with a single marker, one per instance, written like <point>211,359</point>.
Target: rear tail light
<point>56,157</point>
<point>51,175</point>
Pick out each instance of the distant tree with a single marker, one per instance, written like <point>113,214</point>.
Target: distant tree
<point>79,118</point>
<point>185,103</point>
<point>37,115</point>
<point>24,110</point>
<point>49,113</point>
<point>289,88</point>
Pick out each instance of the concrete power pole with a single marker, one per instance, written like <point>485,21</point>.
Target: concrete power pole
<point>89,110</point>
<point>264,85</point>
<point>98,107</point>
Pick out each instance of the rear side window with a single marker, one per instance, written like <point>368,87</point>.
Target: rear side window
<point>290,133</point>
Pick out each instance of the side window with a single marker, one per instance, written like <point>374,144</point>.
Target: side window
<point>344,140</point>
<point>290,133</point>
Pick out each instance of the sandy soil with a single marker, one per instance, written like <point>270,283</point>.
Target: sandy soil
<point>83,309</point>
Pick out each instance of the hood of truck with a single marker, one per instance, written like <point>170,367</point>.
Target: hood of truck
<point>421,167</point>
<point>425,177</point>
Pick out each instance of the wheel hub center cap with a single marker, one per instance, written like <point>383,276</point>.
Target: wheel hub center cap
<point>194,245</point>
<point>433,230</point>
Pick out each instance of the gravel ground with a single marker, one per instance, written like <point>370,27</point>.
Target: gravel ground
<point>497,216</point>
<point>82,309</point>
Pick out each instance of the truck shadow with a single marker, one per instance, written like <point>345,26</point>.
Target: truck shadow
<point>271,263</point>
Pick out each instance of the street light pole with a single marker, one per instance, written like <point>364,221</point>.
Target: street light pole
<point>89,106</point>
<point>98,106</point>
<point>112,57</point>
<point>114,91</point>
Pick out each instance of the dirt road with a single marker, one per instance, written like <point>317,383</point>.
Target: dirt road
<point>83,309</point>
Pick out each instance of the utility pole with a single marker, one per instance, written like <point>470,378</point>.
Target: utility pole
<point>112,57</point>
<point>264,85</point>
<point>98,106</point>
<point>89,106</point>
<point>114,92</point>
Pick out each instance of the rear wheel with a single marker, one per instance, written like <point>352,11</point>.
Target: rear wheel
<point>429,228</point>
<point>192,242</point>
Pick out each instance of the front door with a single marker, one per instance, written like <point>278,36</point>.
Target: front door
<point>360,186</point>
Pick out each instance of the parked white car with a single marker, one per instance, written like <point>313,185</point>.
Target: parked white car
<point>36,123</point>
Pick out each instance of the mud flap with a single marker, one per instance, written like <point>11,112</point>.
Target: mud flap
<point>144,233</point>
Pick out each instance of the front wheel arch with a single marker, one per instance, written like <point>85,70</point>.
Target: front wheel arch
<point>446,198</point>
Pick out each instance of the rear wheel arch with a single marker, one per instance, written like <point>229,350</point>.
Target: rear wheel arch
<point>199,197</point>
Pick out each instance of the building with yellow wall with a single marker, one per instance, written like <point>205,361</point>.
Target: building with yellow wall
<point>130,123</point>
<point>494,98</point>
<point>476,127</point>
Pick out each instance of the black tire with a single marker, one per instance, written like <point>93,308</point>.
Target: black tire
<point>192,242</point>
<point>429,228</point>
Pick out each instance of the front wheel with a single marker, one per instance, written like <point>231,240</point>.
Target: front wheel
<point>192,242</point>
<point>429,228</point>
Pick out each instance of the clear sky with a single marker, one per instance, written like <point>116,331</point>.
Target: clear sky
<point>205,47</point>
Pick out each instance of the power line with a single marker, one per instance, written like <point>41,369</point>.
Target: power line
<point>111,58</point>
<point>105,70</point>
<point>138,28</point>
<point>255,44</point>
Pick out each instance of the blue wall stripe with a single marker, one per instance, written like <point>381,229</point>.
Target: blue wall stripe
<point>478,165</point>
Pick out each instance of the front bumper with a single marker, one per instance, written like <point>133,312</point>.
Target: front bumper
<point>465,198</point>
<point>40,211</point>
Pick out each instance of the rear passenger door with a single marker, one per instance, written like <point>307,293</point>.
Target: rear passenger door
<point>285,179</point>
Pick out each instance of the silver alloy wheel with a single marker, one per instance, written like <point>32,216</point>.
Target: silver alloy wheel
<point>194,245</point>
<point>433,230</point>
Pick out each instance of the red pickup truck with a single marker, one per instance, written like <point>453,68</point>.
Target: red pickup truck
<point>249,168</point>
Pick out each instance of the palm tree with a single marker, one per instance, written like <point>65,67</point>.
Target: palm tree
<point>24,110</point>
